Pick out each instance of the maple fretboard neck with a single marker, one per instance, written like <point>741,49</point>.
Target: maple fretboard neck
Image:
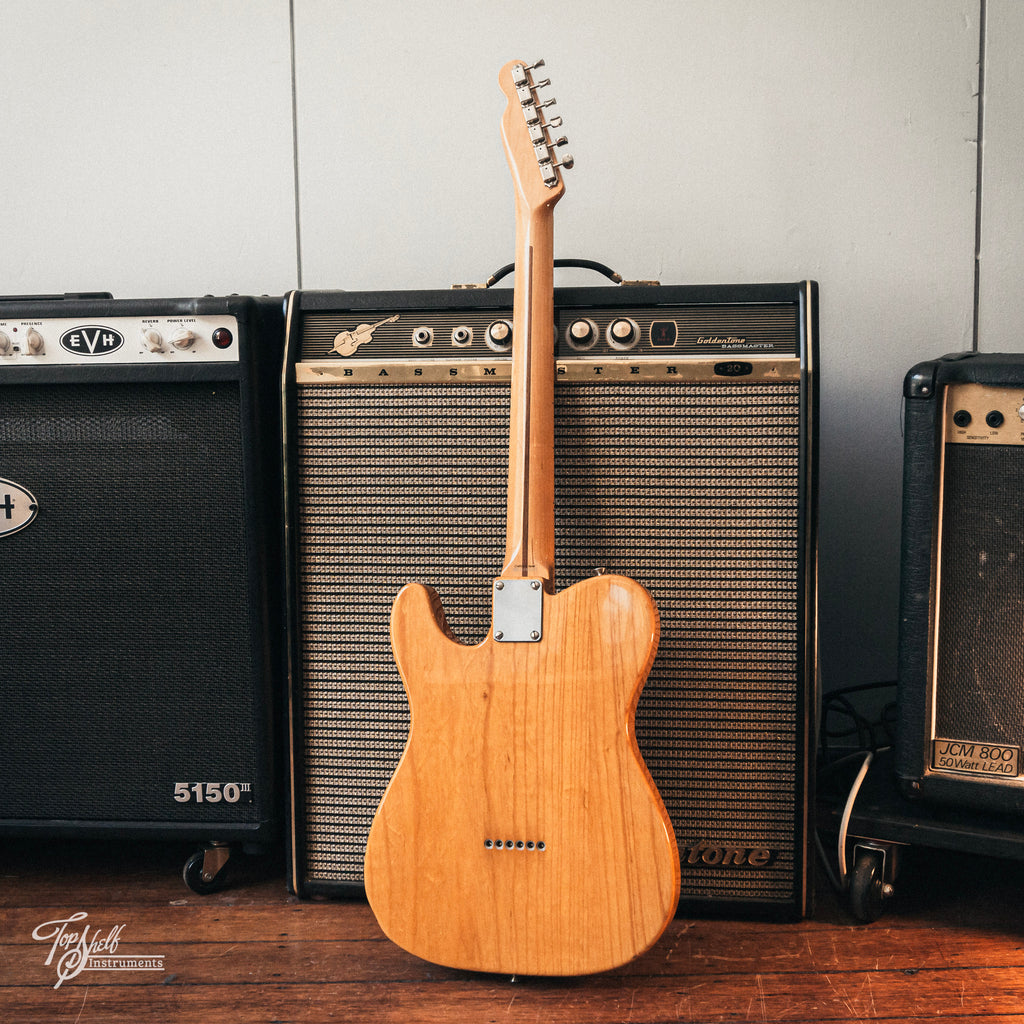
<point>530,529</point>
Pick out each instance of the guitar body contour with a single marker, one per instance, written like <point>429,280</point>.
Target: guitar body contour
<point>521,832</point>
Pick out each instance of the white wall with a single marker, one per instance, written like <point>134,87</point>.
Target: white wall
<point>1001,254</point>
<point>148,149</point>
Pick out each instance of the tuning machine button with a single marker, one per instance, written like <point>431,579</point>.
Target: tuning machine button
<point>623,333</point>
<point>567,160</point>
<point>499,336</point>
<point>581,334</point>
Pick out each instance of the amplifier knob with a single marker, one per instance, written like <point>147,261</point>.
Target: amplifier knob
<point>499,336</point>
<point>581,334</point>
<point>623,333</point>
<point>6,345</point>
<point>152,339</point>
<point>183,338</point>
<point>34,343</point>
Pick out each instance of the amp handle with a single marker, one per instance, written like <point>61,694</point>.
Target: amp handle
<point>600,268</point>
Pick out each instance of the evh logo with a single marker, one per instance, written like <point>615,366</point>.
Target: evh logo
<point>91,341</point>
<point>18,507</point>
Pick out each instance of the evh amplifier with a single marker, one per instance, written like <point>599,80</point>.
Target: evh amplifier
<point>685,455</point>
<point>139,553</point>
<point>961,646</point>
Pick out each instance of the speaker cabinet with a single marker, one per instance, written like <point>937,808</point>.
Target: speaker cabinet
<point>139,538</point>
<point>961,648</point>
<point>684,459</point>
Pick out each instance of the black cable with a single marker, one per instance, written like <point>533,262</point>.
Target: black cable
<point>577,264</point>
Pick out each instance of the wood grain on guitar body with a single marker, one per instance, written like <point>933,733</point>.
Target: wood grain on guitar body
<point>521,832</point>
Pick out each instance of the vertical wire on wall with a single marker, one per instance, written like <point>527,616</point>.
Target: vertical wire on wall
<point>295,148</point>
<point>982,24</point>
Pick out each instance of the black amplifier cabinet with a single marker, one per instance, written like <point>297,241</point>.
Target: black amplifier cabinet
<point>139,551</point>
<point>961,646</point>
<point>685,425</point>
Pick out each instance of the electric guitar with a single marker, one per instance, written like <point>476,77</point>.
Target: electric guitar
<point>521,832</point>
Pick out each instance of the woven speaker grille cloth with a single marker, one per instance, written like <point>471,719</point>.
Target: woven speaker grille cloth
<point>128,645</point>
<point>693,490</point>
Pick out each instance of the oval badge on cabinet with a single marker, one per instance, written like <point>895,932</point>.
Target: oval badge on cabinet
<point>18,507</point>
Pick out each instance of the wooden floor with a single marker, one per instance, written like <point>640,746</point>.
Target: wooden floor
<point>950,946</point>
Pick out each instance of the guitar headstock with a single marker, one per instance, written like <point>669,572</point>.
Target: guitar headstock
<point>526,131</point>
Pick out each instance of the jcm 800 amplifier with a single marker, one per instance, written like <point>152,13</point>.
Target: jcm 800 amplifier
<point>961,693</point>
<point>685,459</point>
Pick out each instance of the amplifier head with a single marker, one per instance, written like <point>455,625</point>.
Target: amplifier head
<point>685,422</point>
<point>961,652</point>
<point>139,537</point>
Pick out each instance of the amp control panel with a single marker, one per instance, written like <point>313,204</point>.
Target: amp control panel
<point>721,330</point>
<point>122,340</point>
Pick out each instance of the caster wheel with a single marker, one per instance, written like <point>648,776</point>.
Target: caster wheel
<point>867,889</point>
<point>204,874</point>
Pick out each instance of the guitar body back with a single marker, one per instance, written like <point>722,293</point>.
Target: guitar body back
<point>521,832</point>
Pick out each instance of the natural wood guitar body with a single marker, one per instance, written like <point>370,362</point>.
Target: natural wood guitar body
<point>521,832</point>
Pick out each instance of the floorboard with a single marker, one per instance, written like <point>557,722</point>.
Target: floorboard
<point>949,946</point>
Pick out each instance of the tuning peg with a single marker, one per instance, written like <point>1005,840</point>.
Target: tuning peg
<point>537,64</point>
<point>542,84</point>
<point>555,122</point>
<point>567,160</point>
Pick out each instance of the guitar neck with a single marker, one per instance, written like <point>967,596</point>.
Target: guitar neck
<point>530,528</point>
